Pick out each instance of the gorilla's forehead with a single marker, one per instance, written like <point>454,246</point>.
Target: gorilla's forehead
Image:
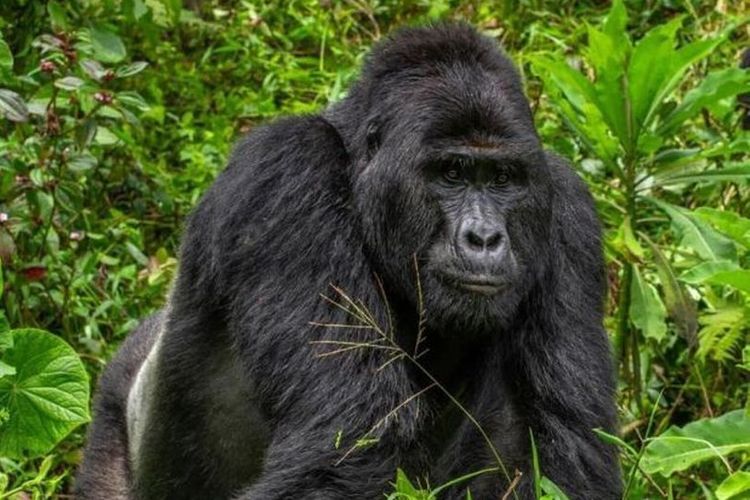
<point>459,100</point>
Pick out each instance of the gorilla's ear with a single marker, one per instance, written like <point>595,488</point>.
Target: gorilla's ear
<point>372,138</point>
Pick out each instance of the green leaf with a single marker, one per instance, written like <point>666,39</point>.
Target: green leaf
<point>580,106</point>
<point>131,69</point>
<point>647,311</point>
<point>745,365</point>
<point>6,56</point>
<point>6,338</point>
<point>697,235</point>
<point>12,106</point>
<point>69,83</point>
<point>739,279</point>
<point>609,65</point>
<point>647,80</point>
<point>680,448</point>
<point>405,490</point>
<point>706,270</point>
<point>105,137</point>
<point>680,305</point>
<point>733,486</point>
<point>714,87</point>
<point>107,46</point>
<point>553,490</point>
<point>615,25</point>
<point>6,369</point>
<point>737,172</point>
<point>93,68</point>
<point>132,99</point>
<point>650,83</point>
<point>136,253</point>
<point>47,398</point>
<point>535,466</point>
<point>57,16</point>
<point>608,52</point>
<point>729,223</point>
<point>82,161</point>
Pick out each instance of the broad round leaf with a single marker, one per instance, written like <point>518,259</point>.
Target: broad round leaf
<point>107,46</point>
<point>47,397</point>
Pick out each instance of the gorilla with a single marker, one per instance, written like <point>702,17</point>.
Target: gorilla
<point>406,280</point>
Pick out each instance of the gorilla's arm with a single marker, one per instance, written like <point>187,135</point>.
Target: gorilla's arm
<point>105,471</point>
<point>564,354</point>
<point>274,233</point>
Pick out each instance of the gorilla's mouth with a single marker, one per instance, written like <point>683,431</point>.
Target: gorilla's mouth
<point>477,283</point>
<point>484,287</point>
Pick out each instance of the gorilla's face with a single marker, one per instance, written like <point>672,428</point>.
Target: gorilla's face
<point>463,185</point>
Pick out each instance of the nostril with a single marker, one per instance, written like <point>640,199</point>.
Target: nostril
<point>493,241</point>
<point>474,240</point>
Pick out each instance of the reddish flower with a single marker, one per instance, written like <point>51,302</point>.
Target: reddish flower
<point>34,273</point>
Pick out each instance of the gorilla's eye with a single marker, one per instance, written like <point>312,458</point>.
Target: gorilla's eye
<point>501,178</point>
<point>452,175</point>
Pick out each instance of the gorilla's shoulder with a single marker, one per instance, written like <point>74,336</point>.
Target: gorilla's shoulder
<point>567,182</point>
<point>306,138</point>
<point>278,163</point>
<point>284,180</point>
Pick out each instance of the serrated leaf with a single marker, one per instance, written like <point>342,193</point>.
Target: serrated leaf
<point>108,47</point>
<point>697,235</point>
<point>734,486</point>
<point>647,311</point>
<point>69,83</point>
<point>46,399</point>
<point>682,447</point>
<point>131,69</point>
<point>12,106</point>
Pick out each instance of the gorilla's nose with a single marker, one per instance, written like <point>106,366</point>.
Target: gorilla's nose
<point>481,237</point>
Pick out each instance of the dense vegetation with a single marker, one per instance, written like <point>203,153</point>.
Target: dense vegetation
<point>116,114</point>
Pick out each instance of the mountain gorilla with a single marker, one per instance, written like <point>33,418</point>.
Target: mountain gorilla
<point>351,277</point>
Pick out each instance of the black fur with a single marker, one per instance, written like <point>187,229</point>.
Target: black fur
<point>246,406</point>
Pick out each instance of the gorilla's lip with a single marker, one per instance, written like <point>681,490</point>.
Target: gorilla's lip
<point>481,284</point>
<point>483,287</point>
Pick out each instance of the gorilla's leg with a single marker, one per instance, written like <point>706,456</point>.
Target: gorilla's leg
<point>105,471</point>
